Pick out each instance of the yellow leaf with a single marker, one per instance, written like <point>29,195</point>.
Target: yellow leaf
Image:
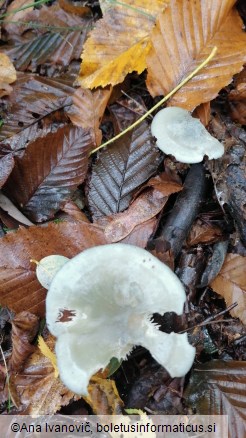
<point>7,74</point>
<point>119,43</point>
<point>183,36</point>
<point>45,350</point>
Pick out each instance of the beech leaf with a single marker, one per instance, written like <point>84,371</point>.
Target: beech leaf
<point>7,75</point>
<point>183,37</point>
<point>231,284</point>
<point>119,43</point>
<point>120,169</point>
<point>219,388</point>
<point>34,97</point>
<point>24,329</point>
<point>50,172</point>
<point>19,286</point>
<point>87,110</point>
<point>39,391</point>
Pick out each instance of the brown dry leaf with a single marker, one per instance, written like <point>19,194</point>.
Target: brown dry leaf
<point>50,172</point>
<point>103,396</point>
<point>74,212</point>
<point>202,232</point>
<point>19,287</point>
<point>184,36</point>
<point>39,392</point>
<point>87,110</point>
<point>231,284</point>
<point>140,235</point>
<point>24,329</point>
<point>202,112</point>
<point>17,17</point>
<point>145,207</point>
<point>7,75</point>
<point>119,43</point>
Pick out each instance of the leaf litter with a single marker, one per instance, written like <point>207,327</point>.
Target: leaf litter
<point>128,192</point>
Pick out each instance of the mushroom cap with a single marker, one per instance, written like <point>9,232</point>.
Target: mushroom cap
<point>109,293</point>
<point>183,136</point>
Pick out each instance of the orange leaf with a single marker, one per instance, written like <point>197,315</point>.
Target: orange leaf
<point>87,110</point>
<point>231,284</point>
<point>184,36</point>
<point>119,43</point>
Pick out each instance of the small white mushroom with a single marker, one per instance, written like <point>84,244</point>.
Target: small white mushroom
<point>48,267</point>
<point>183,136</point>
<point>109,294</point>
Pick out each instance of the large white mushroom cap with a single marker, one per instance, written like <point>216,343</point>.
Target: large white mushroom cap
<point>183,136</point>
<point>108,294</point>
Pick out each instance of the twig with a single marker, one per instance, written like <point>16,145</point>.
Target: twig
<point>190,76</point>
<point>211,319</point>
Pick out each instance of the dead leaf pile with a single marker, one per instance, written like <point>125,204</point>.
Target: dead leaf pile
<point>74,75</point>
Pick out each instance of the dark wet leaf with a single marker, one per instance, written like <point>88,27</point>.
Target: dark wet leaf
<point>6,167</point>
<point>33,98</point>
<point>120,169</point>
<point>50,172</point>
<point>61,40</point>
<point>24,329</point>
<point>219,388</point>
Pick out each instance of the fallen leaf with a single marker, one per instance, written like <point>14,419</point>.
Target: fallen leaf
<point>15,17</point>
<point>50,172</point>
<point>58,39</point>
<point>74,212</point>
<point>39,391</point>
<point>46,351</point>
<point>6,166</point>
<point>34,97</point>
<point>87,110</point>
<point>119,43</point>
<point>19,288</point>
<point>183,37</point>
<point>24,329</point>
<point>219,388</point>
<point>146,206</point>
<point>120,169</point>
<point>202,112</point>
<point>7,75</point>
<point>231,284</point>
<point>202,232</point>
<point>103,396</point>
<point>140,235</point>
<point>11,209</point>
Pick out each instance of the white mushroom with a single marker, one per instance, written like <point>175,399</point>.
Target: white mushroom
<point>109,294</point>
<point>183,136</point>
<point>48,267</point>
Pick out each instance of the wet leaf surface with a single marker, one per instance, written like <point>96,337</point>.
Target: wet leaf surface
<point>50,172</point>
<point>120,169</point>
<point>219,388</point>
<point>19,287</point>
